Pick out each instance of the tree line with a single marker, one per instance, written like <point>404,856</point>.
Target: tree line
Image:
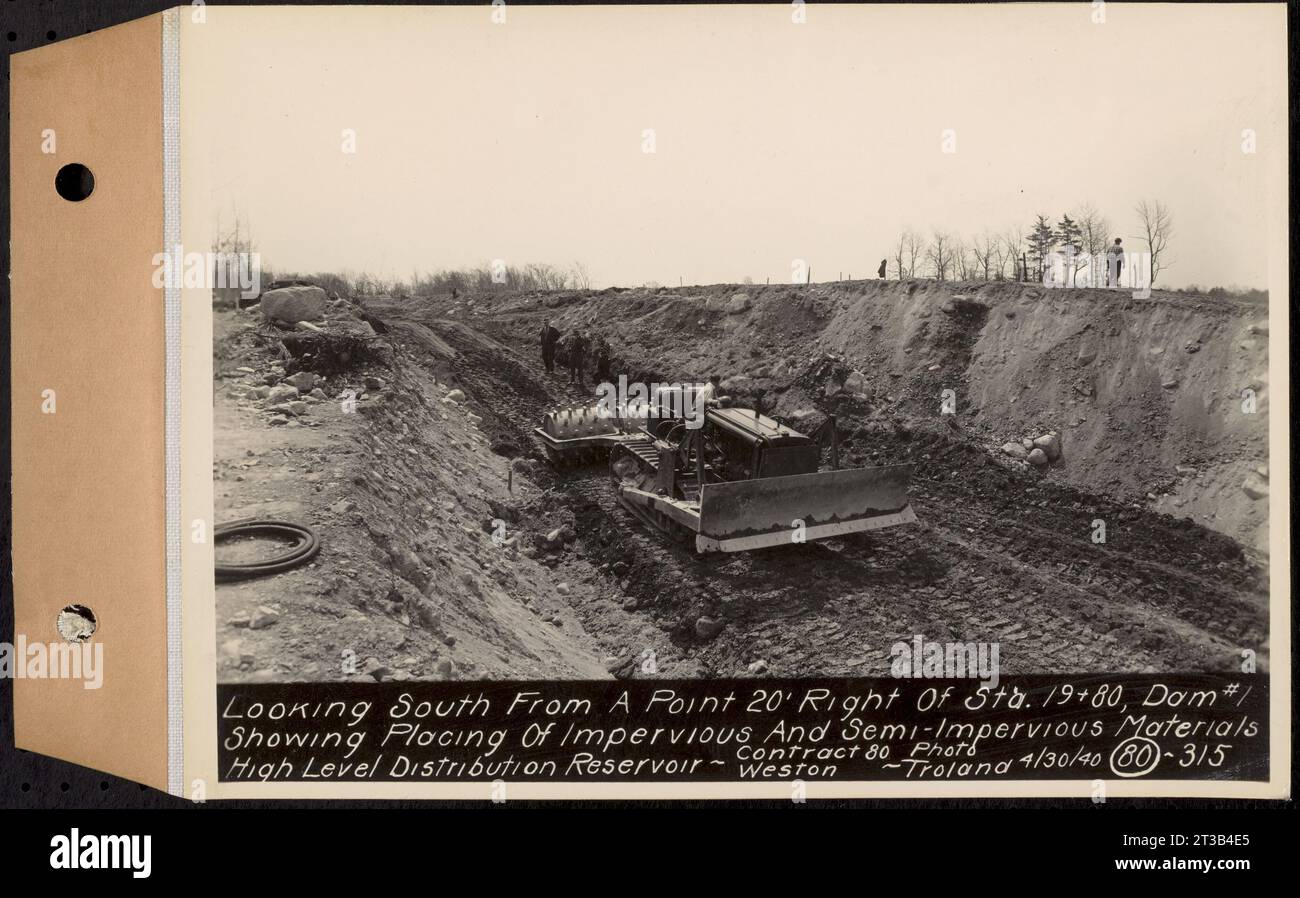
<point>1021,254</point>
<point>491,278</point>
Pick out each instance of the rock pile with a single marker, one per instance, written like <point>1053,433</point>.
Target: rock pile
<point>1039,452</point>
<point>286,398</point>
<point>311,355</point>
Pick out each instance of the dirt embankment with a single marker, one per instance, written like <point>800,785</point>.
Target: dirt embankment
<point>420,574</point>
<point>1148,396</point>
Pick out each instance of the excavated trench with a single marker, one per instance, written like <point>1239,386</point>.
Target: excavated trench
<point>999,554</point>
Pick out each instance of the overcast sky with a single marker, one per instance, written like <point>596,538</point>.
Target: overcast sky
<point>774,141</point>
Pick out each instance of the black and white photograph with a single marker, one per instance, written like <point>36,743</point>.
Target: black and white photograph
<point>794,355</point>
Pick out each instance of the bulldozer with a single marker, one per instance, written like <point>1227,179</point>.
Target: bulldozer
<point>736,481</point>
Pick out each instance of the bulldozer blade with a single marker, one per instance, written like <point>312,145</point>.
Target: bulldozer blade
<point>750,514</point>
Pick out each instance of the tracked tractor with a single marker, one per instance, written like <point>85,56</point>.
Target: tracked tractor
<point>732,481</point>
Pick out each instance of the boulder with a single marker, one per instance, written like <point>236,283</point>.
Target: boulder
<point>262,618</point>
<point>282,393</point>
<point>856,382</point>
<point>1255,487</point>
<point>303,381</point>
<point>1050,443</point>
<point>456,396</point>
<point>376,670</point>
<point>1015,450</point>
<point>740,302</point>
<point>707,627</point>
<point>289,305</point>
<point>1038,458</point>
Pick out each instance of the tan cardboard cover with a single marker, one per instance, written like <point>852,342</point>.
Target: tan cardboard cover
<point>88,484</point>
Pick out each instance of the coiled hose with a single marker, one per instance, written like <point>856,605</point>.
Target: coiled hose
<point>305,546</point>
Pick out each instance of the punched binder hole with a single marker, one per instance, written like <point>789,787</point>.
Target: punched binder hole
<point>74,182</point>
<point>76,623</point>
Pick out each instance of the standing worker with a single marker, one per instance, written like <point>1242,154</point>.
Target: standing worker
<point>884,266</point>
<point>1115,262</point>
<point>550,336</point>
<point>576,352</point>
<point>602,352</point>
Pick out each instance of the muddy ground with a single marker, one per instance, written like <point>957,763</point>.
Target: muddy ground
<point>452,551</point>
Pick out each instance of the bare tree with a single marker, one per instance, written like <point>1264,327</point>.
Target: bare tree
<point>986,248</point>
<point>961,259</point>
<point>940,254</point>
<point>1012,243</point>
<point>900,255</point>
<point>915,250</point>
<point>580,278</point>
<point>1094,232</point>
<point>1157,226</point>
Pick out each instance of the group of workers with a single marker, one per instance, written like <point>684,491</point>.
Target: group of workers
<point>575,347</point>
